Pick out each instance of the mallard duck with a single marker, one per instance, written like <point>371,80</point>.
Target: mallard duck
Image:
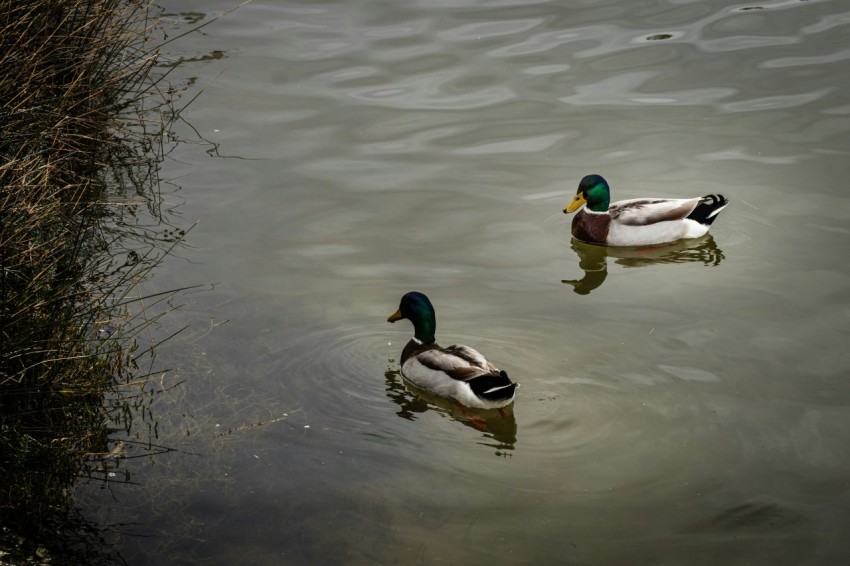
<point>458,372</point>
<point>640,221</point>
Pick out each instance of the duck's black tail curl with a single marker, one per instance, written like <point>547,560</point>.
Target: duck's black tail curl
<point>493,387</point>
<point>708,208</point>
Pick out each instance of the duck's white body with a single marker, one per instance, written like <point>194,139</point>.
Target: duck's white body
<point>645,222</point>
<point>451,373</point>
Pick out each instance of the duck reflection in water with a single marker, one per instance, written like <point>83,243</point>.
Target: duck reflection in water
<point>497,427</point>
<point>593,259</point>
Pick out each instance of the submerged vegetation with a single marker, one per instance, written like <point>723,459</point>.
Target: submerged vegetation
<point>84,125</point>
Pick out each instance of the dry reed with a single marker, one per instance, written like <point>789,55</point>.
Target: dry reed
<point>83,124</point>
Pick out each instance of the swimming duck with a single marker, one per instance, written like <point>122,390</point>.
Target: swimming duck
<point>641,221</point>
<point>457,372</point>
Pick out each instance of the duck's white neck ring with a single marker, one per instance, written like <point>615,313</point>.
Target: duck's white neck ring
<point>417,340</point>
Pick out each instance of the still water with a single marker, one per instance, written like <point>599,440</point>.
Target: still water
<point>681,405</point>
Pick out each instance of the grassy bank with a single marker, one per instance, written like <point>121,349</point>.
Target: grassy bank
<point>82,125</point>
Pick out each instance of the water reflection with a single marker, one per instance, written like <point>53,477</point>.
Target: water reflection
<point>498,428</point>
<point>428,142</point>
<point>593,260</point>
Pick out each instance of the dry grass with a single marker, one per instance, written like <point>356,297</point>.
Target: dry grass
<point>82,128</point>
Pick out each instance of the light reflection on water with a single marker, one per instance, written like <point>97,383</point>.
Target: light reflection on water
<point>692,410</point>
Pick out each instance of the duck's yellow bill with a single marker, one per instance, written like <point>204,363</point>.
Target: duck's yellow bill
<point>395,316</point>
<point>575,204</point>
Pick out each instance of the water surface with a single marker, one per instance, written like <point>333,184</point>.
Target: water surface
<point>687,404</point>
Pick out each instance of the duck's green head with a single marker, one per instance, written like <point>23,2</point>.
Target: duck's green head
<point>594,191</point>
<point>417,309</point>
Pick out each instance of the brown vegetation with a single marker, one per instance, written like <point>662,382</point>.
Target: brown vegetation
<point>82,125</point>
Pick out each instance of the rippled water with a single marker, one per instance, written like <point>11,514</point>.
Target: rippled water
<point>686,404</point>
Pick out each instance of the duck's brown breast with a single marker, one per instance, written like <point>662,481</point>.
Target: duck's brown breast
<point>591,228</point>
<point>412,348</point>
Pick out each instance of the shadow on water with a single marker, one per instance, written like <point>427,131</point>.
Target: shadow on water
<point>593,260</point>
<point>498,428</point>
